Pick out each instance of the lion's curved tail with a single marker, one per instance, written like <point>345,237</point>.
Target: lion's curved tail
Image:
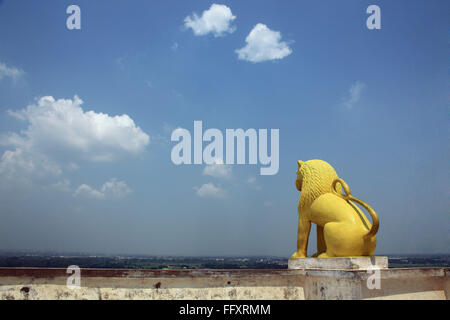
<point>348,196</point>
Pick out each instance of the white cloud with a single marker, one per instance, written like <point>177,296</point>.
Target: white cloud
<point>21,165</point>
<point>216,20</point>
<point>85,190</point>
<point>209,190</point>
<point>111,189</point>
<point>115,189</point>
<point>10,72</point>
<point>218,169</point>
<point>355,92</point>
<point>58,135</point>
<point>263,44</point>
<point>63,125</point>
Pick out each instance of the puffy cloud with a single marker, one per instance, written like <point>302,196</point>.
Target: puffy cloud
<point>263,44</point>
<point>218,169</point>
<point>355,92</point>
<point>116,189</point>
<point>58,134</point>
<point>10,72</point>
<point>111,189</point>
<point>216,20</point>
<point>85,190</point>
<point>21,166</point>
<point>63,125</point>
<point>209,190</point>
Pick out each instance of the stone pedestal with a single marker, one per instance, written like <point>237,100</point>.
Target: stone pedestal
<point>350,263</point>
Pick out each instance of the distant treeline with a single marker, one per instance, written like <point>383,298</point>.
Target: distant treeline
<point>141,263</point>
<point>120,262</point>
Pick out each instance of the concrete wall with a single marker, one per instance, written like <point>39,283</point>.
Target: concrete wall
<point>45,283</point>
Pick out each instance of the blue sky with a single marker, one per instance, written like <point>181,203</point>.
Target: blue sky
<point>373,103</point>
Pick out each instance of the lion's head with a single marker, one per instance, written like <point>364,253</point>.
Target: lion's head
<point>314,178</point>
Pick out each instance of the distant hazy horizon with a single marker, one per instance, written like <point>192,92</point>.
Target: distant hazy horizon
<point>75,254</point>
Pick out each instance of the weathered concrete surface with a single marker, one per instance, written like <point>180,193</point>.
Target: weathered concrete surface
<point>43,283</point>
<point>404,284</point>
<point>24,283</point>
<point>350,263</point>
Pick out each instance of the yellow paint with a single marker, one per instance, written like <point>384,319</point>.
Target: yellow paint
<point>342,228</point>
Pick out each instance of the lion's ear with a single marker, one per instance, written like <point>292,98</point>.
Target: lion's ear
<point>300,163</point>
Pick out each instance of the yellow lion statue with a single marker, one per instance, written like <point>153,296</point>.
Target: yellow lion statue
<point>342,228</point>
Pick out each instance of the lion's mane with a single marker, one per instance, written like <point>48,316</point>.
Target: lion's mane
<point>316,178</point>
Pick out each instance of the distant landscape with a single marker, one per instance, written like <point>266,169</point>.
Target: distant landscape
<point>59,260</point>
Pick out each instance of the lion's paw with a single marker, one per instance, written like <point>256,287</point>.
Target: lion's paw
<point>298,255</point>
